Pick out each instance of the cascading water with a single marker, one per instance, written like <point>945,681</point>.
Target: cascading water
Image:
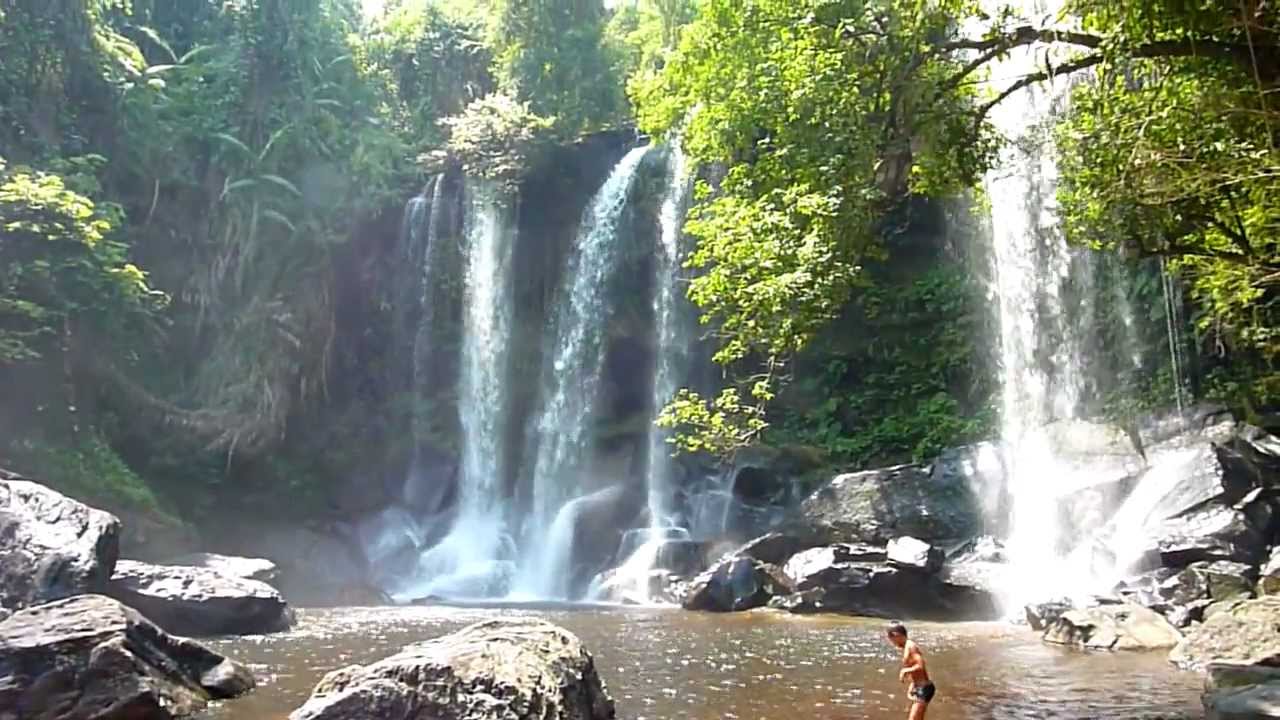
<point>672,335</point>
<point>1042,372</point>
<point>476,558</point>
<point>416,490</point>
<point>574,347</point>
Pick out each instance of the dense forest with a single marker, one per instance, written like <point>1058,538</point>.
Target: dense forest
<point>193,296</point>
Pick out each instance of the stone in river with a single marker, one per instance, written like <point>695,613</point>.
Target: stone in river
<point>1269,580</point>
<point>199,602</point>
<point>1113,627</point>
<point>1247,632</point>
<point>493,670</point>
<point>734,584</point>
<point>51,546</point>
<point>91,658</point>
<point>1255,702</point>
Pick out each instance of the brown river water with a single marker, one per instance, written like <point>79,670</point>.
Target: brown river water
<point>669,664</point>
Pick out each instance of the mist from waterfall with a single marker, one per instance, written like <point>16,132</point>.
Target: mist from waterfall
<point>1041,369</point>
<point>574,345</point>
<point>476,557</point>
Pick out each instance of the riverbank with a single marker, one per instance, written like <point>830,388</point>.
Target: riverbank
<point>663,664</point>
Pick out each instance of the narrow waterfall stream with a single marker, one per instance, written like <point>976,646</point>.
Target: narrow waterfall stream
<point>574,348</point>
<point>475,558</point>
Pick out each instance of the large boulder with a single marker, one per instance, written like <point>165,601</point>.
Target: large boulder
<point>776,548</point>
<point>319,566</point>
<point>51,546</point>
<point>876,506</point>
<point>199,602</point>
<point>90,658</point>
<point>734,584</point>
<point>1248,632</point>
<point>856,579</point>
<point>1113,627</point>
<point>494,670</point>
<point>259,569</point>
<point>1210,533</point>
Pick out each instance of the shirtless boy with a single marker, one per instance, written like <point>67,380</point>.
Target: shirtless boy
<point>913,671</point>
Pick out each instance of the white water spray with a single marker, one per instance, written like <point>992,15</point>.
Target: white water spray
<point>575,346</point>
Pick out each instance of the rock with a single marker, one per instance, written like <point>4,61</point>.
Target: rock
<point>1269,580</point>
<point>196,601</point>
<point>979,467</point>
<point>51,546</point>
<point>856,579</point>
<point>1248,703</point>
<point>259,569</point>
<point>1247,633</point>
<point>734,584</point>
<point>1227,674</point>
<point>1041,615</point>
<point>1188,586</point>
<point>910,552</point>
<point>1113,627</point>
<point>1212,533</point>
<point>492,670</point>
<point>875,506</point>
<point>776,548</point>
<point>1228,580</point>
<point>830,565</point>
<point>90,658</point>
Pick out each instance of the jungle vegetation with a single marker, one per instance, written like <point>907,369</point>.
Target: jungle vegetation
<point>181,182</point>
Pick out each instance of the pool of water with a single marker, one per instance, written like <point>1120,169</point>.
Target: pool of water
<point>675,665</point>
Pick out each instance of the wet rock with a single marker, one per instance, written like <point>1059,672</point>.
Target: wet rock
<point>734,584</point>
<point>1188,586</point>
<point>1113,627</point>
<point>910,552</point>
<point>1144,588</point>
<point>494,670</point>
<point>682,557</point>
<point>1269,580</point>
<point>1041,615</point>
<point>776,548</point>
<point>1212,533</point>
<point>979,467</point>
<point>90,658</point>
<point>877,505</point>
<point>1226,674</point>
<point>199,602</point>
<point>1256,702</point>
<point>51,546</point>
<point>1243,633</point>
<point>259,569</point>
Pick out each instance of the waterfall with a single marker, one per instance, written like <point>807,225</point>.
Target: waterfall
<point>1041,370</point>
<point>475,558</point>
<point>574,350</point>
<point>671,335</point>
<point>672,340</point>
<point>416,490</point>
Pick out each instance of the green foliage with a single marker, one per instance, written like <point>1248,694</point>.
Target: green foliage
<point>497,137</point>
<point>431,63</point>
<point>60,271</point>
<point>91,471</point>
<point>553,55</point>
<point>718,426</point>
<point>1176,157</point>
<point>899,378</point>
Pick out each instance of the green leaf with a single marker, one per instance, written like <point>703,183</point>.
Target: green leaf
<point>280,218</point>
<point>282,183</point>
<point>235,143</point>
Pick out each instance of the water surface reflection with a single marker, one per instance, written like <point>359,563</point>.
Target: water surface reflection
<point>673,665</point>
